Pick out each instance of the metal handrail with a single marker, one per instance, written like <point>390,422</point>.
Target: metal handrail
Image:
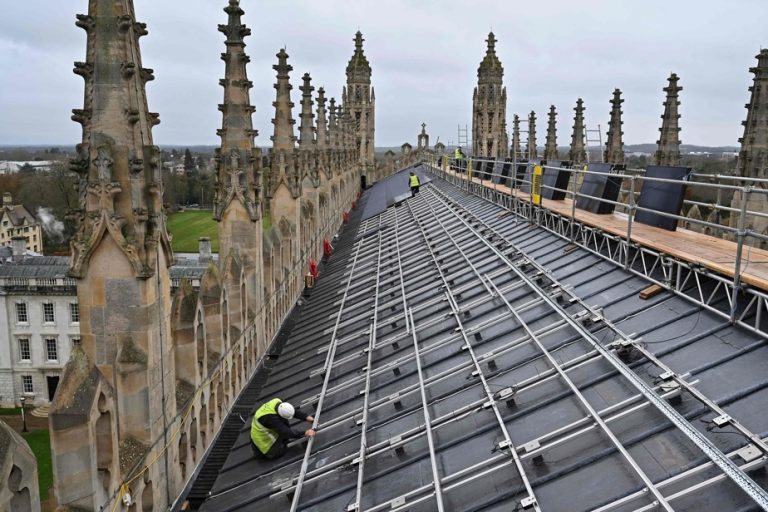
<point>745,190</point>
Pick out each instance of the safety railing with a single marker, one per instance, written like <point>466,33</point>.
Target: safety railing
<point>520,191</point>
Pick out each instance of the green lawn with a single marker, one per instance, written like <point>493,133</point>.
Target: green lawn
<point>190,225</point>
<point>10,411</point>
<point>40,442</point>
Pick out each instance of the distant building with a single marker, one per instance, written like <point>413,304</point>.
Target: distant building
<point>39,324</point>
<point>9,167</point>
<point>40,319</point>
<point>16,221</point>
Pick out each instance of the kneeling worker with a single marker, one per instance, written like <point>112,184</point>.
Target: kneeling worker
<point>270,432</point>
<point>414,183</point>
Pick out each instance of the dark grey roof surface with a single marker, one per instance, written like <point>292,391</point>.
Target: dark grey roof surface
<point>384,193</point>
<point>523,369</point>
<point>36,266</point>
<point>58,266</point>
<point>188,268</point>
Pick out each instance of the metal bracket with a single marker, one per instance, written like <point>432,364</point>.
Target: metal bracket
<point>749,453</point>
<point>316,372</point>
<point>722,421</point>
<point>529,502</point>
<point>667,375</point>
<point>531,446</point>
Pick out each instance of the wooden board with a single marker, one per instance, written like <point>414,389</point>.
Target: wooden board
<point>708,251</point>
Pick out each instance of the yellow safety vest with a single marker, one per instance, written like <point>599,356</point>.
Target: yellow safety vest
<point>457,154</point>
<point>262,436</point>
<point>414,181</point>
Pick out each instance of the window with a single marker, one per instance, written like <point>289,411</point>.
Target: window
<point>48,315</point>
<point>26,384</point>
<point>74,313</point>
<point>51,349</point>
<point>24,352</point>
<point>76,341</point>
<point>21,313</point>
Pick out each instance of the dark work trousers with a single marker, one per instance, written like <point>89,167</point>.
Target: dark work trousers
<point>414,190</point>
<point>276,451</point>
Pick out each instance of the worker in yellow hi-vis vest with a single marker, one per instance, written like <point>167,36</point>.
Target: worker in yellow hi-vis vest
<point>414,183</point>
<point>458,156</point>
<point>270,431</point>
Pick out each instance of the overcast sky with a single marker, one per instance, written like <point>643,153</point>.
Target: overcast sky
<point>424,56</point>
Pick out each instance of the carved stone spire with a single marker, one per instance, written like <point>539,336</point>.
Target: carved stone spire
<point>550,148</point>
<point>333,126</point>
<point>531,149</point>
<point>489,106</point>
<point>614,146</point>
<point>753,156</point>
<point>322,121</point>
<point>360,101</point>
<point>238,161</point>
<point>283,169</point>
<point>121,188</point>
<point>668,152</point>
<point>120,257</point>
<point>307,128</point>
<point>515,149</point>
<point>283,138</point>
<point>578,154</point>
<point>238,201</point>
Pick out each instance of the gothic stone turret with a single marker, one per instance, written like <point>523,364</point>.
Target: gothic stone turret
<point>577,153</point>
<point>238,201</point>
<point>531,149</point>
<point>550,148</point>
<point>753,157</point>
<point>283,170</point>
<point>120,257</point>
<point>668,151</point>
<point>614,147</point>
<point>514,151</point>
<point>361,102</point>
<point>489,106</point>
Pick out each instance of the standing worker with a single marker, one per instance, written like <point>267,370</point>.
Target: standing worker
<point>458,156</point>
<point>270,431</point>
<point>414,183</point>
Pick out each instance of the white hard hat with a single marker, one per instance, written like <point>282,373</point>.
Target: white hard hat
<point>285,410</point>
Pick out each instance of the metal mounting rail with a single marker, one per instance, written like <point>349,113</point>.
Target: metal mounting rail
<point>590,410</point>
<point>366,391</point>
<point>427,421</point>
<point>753,490</point>
<point>326,379</point>
<point>628,341</point>
<point>530,500</point>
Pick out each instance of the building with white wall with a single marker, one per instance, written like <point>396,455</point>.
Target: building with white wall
<point>40,321</point>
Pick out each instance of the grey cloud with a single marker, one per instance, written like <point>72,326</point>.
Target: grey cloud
<point>424,56</point>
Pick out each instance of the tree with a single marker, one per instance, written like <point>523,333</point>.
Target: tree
<point>189,162</point>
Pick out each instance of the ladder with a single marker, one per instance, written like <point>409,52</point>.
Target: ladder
<point>597,137</point>
<point>463,139</point>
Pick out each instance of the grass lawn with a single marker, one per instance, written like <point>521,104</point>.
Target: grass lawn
<point>188,226</point>
<point>10,411</point>
<point>40,442</point>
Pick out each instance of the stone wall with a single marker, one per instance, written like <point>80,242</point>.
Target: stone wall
<point>18,471</point>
